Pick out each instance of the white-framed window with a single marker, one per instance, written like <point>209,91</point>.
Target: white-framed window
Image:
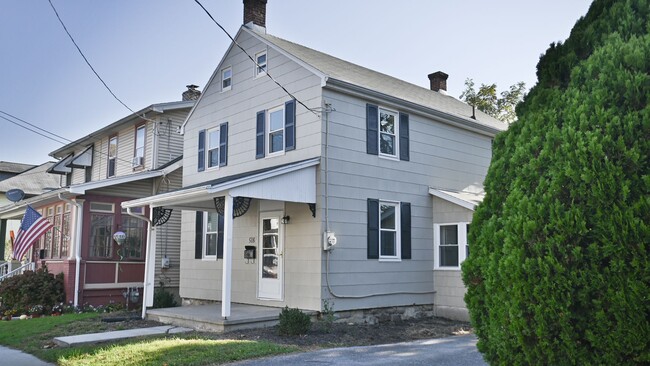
<point>112,156</point>
<point>275,131</point>
<point>211,234</point>
<point>138,156</point>
<point>450,245</point>
<point>213,148</point>
<point>226,78</point>
<point>261,67</point>
<point>388,133</point>
<point>389,230</point>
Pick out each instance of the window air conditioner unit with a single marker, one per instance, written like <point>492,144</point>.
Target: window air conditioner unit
<point>137,161</point>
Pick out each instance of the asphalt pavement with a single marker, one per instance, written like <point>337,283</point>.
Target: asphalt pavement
<point>458,350</point>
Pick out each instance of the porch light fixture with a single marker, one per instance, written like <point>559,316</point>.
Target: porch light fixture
<point>285,219</point>
<point>119,237</point>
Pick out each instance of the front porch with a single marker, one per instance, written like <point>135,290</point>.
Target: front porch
<point>208,317</point>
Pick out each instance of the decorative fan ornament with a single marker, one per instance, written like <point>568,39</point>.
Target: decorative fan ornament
<point>312,208</point>
<point>240,205</point>
<point>161,215</point>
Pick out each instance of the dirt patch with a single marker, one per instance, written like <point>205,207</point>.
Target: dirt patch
<point>321,336</point>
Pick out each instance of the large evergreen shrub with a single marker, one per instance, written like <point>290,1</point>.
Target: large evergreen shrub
<point>560,268</point>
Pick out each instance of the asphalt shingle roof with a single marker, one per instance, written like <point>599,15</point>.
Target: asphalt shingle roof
<point>32,182</point>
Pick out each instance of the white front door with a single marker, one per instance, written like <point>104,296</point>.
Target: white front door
<point>271,247</point>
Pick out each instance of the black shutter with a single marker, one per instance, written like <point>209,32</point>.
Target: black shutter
<point>220,237</point>
<point>290,125</point>
<point>404,137</point>
<point>405,228</point>
<point>372,129</point>
<point>198,236</point>
<point>201,153</point>
<point>223,144</point>
<point>373,228</point>
<point>259,138</point>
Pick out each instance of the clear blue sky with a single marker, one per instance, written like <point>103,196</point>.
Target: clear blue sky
<point>148,50</point>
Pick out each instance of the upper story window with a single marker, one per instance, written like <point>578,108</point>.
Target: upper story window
<point>261,67</point>
<point>387,133</point>
<point>389,230</point>
<point>140,136</point>
<point>226,79</point>
<point>276,130</point>
<point>450,245</point>
<point>112,156</point>
<point>275,136</point>
<point>213,147</point>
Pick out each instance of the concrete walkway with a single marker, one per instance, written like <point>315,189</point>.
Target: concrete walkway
<point>118,334</point>
<point>19,358</point>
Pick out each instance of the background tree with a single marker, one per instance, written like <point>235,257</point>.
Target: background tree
<point>486,100</point>
<point>559,271</point>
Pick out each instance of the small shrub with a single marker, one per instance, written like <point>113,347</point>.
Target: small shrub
<point>163,298</point>
<point>327,315</point>
<point>293,322</point>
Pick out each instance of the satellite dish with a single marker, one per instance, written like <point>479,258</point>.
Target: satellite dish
<point>15,195</point>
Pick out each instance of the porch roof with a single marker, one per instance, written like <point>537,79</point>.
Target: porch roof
<point>468,199</point>
<point>293,182</point>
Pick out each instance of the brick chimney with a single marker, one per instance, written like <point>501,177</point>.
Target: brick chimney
<point>438,81</point>
<point>191,93</point>
<point>255,12</point>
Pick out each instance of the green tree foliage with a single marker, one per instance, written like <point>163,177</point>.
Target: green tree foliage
<point>560,268</point>
<point>486,100</point>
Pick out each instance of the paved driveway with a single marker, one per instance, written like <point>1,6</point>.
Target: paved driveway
<point>460,350</point>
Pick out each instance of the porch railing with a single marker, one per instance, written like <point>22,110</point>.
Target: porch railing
<point>9,269</point>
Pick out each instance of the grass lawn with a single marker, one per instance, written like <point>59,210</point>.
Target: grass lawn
<point>33,335</point>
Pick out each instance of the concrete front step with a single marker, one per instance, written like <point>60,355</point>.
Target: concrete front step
<point>211,323</point>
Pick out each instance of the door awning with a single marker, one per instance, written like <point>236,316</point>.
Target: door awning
<point>293,182</point>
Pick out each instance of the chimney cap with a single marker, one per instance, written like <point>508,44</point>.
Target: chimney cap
<point>191,86</point>
<point>438,75</point>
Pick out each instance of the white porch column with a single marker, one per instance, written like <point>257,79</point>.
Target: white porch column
<point>227,257</point>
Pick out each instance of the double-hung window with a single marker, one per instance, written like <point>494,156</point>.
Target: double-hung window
<point>276,130</point>
<point>138,158</point>
<point>213,147</point>
<point>387,133</point>
<point>226,79</point>
<point>451,247</point>
<point>101,230</point>
<point>388,129</point>
<point>209,235</point>
<point>112,156</point>
<point>389,230</point>
<point>260,59</point>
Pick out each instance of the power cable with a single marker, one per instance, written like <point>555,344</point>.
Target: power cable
<point>27,123</point>
<point>32,130</point>
<point>52,133</point>
<point>88,62</point>
<point>255,62</point>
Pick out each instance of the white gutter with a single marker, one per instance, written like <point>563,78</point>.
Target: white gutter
<point>77,244</point>
<point>148,256</point>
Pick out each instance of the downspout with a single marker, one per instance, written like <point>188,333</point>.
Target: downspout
<point>146,261</point>
<point>77,245</point>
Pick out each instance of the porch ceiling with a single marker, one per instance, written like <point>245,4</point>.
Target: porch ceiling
<point>295,182</point>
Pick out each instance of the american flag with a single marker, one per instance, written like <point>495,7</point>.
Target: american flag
<point>31,228</point>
